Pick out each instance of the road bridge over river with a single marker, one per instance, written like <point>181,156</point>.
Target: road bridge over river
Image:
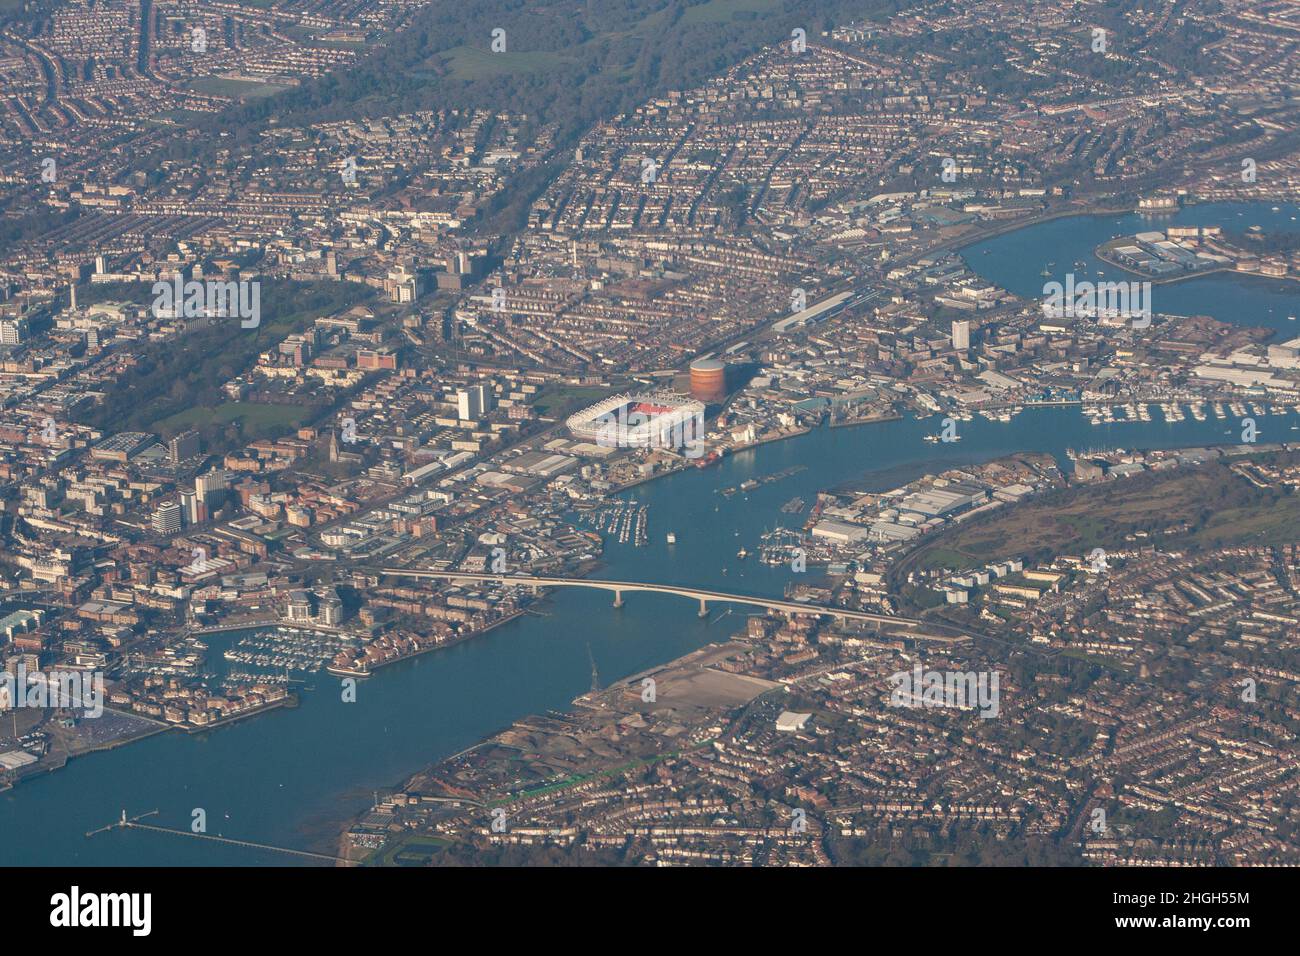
<point>705,597</point>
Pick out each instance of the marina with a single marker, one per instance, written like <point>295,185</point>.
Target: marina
<point>780,546</point>
<point>279,776</point>
<point>283,649</point>
<point>1176,412</point>
<point>624,522</point>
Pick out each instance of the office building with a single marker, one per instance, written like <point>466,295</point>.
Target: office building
<point>211,490</point>
<point>167,519</point>
<point>183,446</point>
<point>193,510</point>
<point>961,335</point>
<point>13,331</point>
<point>474,402</point>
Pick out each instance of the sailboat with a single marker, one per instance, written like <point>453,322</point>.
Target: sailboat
<point>672,538</point>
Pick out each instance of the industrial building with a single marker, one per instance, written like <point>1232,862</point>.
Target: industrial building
<point>708,381</point>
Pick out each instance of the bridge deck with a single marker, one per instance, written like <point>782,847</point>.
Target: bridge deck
<point>793,607</point>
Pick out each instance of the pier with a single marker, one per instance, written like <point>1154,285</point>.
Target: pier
<point>134,824</point>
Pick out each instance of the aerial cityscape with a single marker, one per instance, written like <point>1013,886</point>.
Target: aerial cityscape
<point>650,433</point>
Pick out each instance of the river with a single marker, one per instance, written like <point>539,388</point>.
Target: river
<point>293,777</point>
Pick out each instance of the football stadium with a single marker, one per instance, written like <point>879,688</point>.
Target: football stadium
<point>641,420</point>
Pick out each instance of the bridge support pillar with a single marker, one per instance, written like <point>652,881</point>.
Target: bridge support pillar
<point>618,598</point>
<point>704,608</point>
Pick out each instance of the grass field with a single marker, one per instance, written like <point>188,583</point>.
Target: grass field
<point>568,398</point>
<point>1222,509</point>
<point>473,63</point>
<point>179,379</point>
<point>247,414</point>
<point>1278,524</point>
<point>723,11</point>
<point>413,850</point>
<point>239,89</point>
<point>476,63</point>
<point>316,37</point>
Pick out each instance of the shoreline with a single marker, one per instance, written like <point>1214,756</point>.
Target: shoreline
<point>731,452</point>
<point>342,843</point>
<point>289,700</point>
<point>965,242</point>
<point>261,624</point>
<point>344,847</point>
<point>159,727</point>
<point>868,420</point>
<point>1187,276</point>
<point>340,672</point>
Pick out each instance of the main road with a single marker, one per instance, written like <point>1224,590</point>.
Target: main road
<point>703,596</point>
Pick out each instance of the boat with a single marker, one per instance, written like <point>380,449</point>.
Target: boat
<point>672,538</point>
<point>1290,318</point>
<point>358,671</point>
<point>742,554</point>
